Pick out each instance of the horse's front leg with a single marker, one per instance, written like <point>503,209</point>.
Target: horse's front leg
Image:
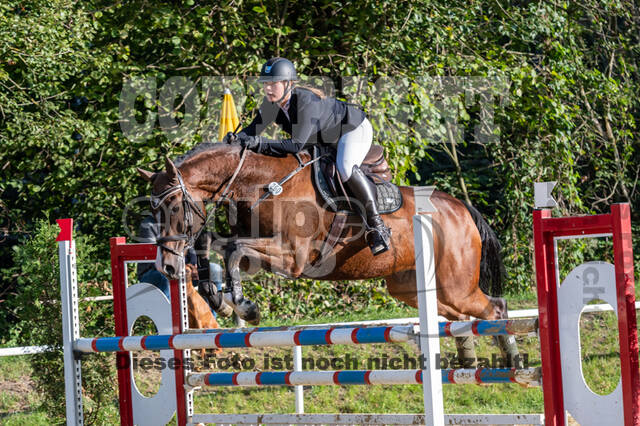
<point>206,285</point>
<point>233,295</point>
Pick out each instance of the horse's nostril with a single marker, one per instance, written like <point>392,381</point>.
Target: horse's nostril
<point>169,270</point>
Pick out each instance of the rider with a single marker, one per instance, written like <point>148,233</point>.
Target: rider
<point>308,116</point>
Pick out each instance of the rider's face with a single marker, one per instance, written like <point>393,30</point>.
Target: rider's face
<point>274,90</point>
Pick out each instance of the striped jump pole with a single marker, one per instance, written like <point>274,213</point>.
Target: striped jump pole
<point>265,337</point>
<point>526,376</point>
<point>508,327</point>
<point>260,339</point>
<point>518,326</point>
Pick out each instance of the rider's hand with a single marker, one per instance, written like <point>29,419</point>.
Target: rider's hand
<point>229,138</point>
<point>246,141</point>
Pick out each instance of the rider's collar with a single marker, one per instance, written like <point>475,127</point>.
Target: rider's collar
<point>285,108</point>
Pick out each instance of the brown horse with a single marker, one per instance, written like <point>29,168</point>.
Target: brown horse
<point>286,234</point>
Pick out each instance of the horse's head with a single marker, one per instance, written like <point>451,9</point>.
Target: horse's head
<point>180,217</point>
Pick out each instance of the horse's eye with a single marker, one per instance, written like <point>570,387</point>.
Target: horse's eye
<point>175,209</point>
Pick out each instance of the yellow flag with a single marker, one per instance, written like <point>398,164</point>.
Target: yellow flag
<point>229,116</point>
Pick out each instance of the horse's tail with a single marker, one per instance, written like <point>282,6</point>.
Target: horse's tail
<point>492,270</point>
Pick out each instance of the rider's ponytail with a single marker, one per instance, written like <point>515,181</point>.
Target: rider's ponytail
<point>318,92</point>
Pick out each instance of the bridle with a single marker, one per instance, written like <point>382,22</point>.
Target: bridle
<point>189,206</point>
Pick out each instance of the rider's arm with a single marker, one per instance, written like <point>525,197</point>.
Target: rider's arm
<point>266,115</point>
<point>306,125</point>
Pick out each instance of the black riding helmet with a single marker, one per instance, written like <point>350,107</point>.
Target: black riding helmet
<point>279,69</point>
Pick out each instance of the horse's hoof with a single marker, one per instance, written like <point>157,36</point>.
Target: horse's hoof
<point>255,320</point>
<point>251,312</point>
<point>253,317</point>
<point>248,311</point>
<point>224,310</point>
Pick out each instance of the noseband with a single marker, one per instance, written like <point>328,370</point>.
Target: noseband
<point>189,206</point>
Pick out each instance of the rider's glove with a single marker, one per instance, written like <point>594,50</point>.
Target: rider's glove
<point>250,142</point>
<point>230,138</point>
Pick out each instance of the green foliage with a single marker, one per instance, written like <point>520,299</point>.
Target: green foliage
<point>37,307</point>
<point>294,300</point>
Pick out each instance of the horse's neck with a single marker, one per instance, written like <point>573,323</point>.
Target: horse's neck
<point>206,173</point>
<point>209,173</point>
<point>258,171</point>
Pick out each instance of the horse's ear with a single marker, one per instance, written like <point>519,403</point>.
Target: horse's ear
<point>172,171</point>
<point>146,175</point>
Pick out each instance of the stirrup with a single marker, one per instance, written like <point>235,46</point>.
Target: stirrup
<point>378,239</point>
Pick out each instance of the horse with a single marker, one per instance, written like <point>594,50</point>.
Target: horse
<point>286,234</point>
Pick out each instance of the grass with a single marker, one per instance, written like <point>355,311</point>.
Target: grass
<point>19,401</point>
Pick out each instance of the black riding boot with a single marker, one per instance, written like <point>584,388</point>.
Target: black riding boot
<point>364,190</point>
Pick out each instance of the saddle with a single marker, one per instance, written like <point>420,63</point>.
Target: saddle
<point>327,182</point>
<point>374,166</point>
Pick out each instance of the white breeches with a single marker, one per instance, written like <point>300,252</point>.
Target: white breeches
<point>353,147</point>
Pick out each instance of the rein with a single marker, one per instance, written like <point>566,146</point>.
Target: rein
<point>275,188</point>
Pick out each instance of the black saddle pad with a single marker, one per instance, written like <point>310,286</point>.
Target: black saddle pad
<point>389,197</point>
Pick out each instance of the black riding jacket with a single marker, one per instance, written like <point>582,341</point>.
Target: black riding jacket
<point>311,120</point>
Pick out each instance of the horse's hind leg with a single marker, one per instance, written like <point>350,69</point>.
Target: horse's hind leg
<point>507,344</point>
<point>402,286</point>
<point>496,308</point>
<point>466,345</point>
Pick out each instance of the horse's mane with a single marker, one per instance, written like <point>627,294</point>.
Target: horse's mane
<point>201,148</point>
